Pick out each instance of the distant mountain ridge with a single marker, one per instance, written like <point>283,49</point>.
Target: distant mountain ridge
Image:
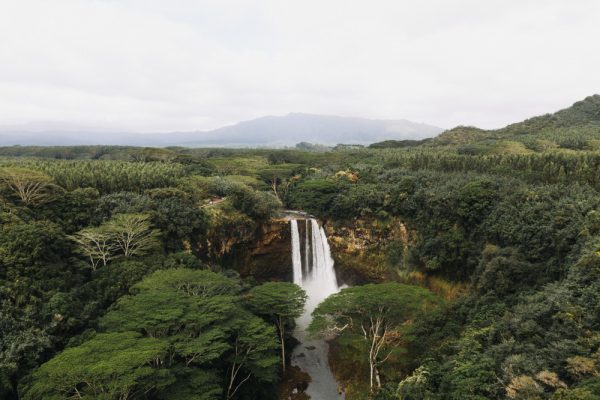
<point>270,131</point>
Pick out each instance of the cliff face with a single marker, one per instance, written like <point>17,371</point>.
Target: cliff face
<point>364,250</point>
<point>369,249</point>
<point>265,255</point>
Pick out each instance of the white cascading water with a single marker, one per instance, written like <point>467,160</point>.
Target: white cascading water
<point>315,273</point>
<point>296,256</point>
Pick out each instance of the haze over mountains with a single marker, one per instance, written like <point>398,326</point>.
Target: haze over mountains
<point>270,131</point>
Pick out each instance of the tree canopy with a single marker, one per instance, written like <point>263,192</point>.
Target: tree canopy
<point>281,303</point>
<point>375,314</point>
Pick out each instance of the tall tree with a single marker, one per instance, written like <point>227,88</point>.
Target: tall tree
<point>111,366</point>
<point>375,315</point>
<point>132,234</point>
<point>280,303</point>
<point>279,177</point>
<point>97,244</point>
<point>31,187</point>
<point>253,354</point>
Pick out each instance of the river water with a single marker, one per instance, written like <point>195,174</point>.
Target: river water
<point>313,271</point>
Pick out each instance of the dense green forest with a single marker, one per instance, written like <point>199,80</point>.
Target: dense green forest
<point>475,258</point>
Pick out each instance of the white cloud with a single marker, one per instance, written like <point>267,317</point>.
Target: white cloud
<point>155,65</point>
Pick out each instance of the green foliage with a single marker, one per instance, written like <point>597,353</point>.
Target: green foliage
<point>279,177</point>
<point>511,214</point>
<point>193,282</point>
<point>280,303</point>
<point>164,341</point>
<point>574,128</point>
<point>277,300</point>
<point>315,196</point>
<point>111,365</point>
<point>391,144</point>
<point>127,235</point>
<point>172,211</point>
<point>29,186</point>
<point>257,205</point>
<point>415,386</point>
<point>394,302</point>
<point>105,176</point>
<point>197,384</point>
<point>374,316</point>
<point>123,203</point>
<point>72,210</point>
<point>132,234</point>
<point>49,299</point>
<point>574,394</point>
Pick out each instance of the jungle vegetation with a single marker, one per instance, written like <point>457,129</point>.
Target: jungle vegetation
<point>114,284</point>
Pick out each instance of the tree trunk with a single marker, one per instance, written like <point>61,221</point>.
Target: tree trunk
<point>371,369</point>
<point>282,338</point>
<point>274,187</point>
<point>377,378</point>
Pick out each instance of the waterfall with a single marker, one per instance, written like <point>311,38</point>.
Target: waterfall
<point>296,256</point>
<point>315,274</point>
<point>307,243</point>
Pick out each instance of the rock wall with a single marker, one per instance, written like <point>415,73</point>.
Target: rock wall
<point>370,250</point>
<point>265,255</point>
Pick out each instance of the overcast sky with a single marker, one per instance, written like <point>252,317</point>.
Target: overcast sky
<point>161,65</point>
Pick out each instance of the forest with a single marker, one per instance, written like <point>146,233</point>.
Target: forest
<point>473,261</point>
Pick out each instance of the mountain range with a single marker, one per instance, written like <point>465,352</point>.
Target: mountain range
<point>270,131</point>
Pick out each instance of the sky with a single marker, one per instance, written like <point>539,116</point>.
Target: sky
<point>174,65</point>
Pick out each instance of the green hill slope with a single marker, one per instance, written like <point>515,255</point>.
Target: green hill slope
<point>574,128</point>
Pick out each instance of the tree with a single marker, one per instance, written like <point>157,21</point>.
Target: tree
<point>177,216</point>
<point>257,205</point>
<point>253,353</point>
<point>149,154</point>
<point>279,177</point>
<point>123,203</point>
<point>191,307</point>
<point>97,244</point>
<point>375,314</point>
<point>132,234</point>
<point>200,315</point>
<point>197,384</point>
<point>200,283</point>
<point>415,386</point>
<point>31,187</point>
<point>316,196</point>
<point>128,234</point>
<point>280,303</point>
<point>523,387</point>
<point>72,210</point>
<point>575,394</point>
<point>120,365</point>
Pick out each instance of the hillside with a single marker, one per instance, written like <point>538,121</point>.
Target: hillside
<point>573,128</point>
